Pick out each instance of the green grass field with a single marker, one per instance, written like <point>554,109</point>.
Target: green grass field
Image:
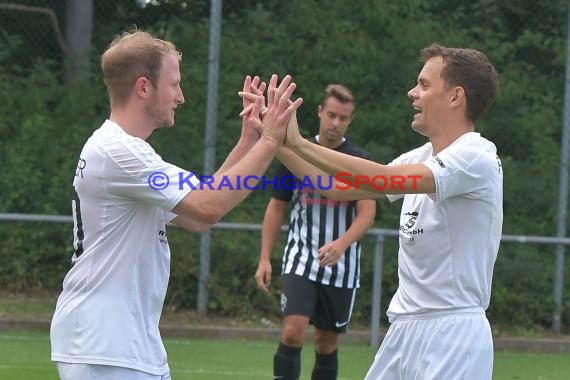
<point>26,356</point>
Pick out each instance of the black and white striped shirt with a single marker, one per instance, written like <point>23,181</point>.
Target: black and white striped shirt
<point>315,221</point>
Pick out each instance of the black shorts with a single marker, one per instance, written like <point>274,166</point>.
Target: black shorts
<point>329,308</point>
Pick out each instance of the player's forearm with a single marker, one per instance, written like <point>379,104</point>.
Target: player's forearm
<point>245,143</point>
<point>356,231</point>
<point>253,164</point>
<point>355,173</point>
<point>191,224</point>
<point>214,199</point>
<point>325,184</point>
<point>300,168</point>
<point>270,230</point>
<point>366,213</point>
<point>332,162</point>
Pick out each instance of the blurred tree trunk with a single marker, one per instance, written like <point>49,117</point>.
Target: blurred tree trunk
<point>78,32</point>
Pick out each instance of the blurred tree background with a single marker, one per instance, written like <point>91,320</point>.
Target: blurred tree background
<point>52,98</point>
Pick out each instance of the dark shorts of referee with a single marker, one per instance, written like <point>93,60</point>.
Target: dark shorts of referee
<point>328,308</point>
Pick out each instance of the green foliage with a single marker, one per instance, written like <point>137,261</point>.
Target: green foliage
<point>370,46</point>
<point>518,294</point>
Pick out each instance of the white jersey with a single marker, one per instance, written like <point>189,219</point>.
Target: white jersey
<point>109,310</point>
<point>449,240</point>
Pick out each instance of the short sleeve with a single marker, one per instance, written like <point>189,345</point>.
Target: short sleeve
<point>137,172</point>
<point>168,216</point>
<point>459,172</point>
<point>287,184</point>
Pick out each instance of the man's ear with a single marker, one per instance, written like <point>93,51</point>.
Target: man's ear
<point>458,96</point>
<point>142,87</point>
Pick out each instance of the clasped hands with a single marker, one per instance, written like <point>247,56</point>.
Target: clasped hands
<point>275,121</point>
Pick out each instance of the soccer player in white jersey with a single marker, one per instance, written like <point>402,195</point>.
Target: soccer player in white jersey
<point>321,259</point>
<point>105,326</point>
<point>450,223</point>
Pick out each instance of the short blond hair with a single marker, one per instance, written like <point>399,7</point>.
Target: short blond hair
<point>130,56</point>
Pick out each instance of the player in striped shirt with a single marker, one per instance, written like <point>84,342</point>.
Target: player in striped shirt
<point>321,260</point>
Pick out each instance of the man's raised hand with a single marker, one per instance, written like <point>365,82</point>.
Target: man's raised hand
<point>271,120</point>
<point>293,137</point>
<point>280,108</point>
<point>252,107</point>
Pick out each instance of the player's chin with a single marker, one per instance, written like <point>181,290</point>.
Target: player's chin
<point>415,125</point>
<point>167,123</point>
<point>419,128</point>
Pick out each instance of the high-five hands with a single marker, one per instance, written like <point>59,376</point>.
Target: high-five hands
<point>252,117</point>
<point>270,121</point>
<point>293,136</point>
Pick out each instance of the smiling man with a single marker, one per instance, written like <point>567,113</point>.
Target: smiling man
<point>450,222</point>
<point>105,325</point>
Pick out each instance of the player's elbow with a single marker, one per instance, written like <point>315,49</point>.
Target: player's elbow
<point>201,210</point>
<point>210,214</point>
<point>191,224</point>
<point>371,221</point>
<point>201,227</point>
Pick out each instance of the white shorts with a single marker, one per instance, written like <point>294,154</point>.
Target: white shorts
<point>81,371</point>
<point>450,346</point>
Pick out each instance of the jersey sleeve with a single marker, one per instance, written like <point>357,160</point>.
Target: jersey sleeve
<point>168,216</point>
<point>458,172</point>
<point>286,182</point>
<point>138,173</point>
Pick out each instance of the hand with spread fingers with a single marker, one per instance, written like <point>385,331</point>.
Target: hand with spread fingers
<point>272,121</point>
<point>251,126</point>
<point>293,137</point>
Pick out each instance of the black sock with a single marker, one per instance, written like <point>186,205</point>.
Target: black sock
<point>287,362</point>
<point>326,366</point>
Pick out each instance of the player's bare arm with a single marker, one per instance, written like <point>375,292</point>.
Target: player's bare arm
<point>249,133</point>
<point>272,221</point>
<point>411,178</point>
<point>207,205</point>
<point>301,169</point>
<point>190,224</point>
